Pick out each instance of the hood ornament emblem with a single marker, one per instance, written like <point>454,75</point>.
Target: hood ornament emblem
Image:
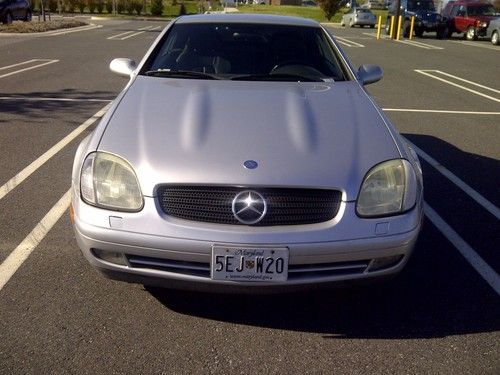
<point>250,164</point>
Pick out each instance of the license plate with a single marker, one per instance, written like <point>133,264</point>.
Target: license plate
<point>249,264</point>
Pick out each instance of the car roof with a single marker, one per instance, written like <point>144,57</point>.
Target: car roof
<point>246,18</point>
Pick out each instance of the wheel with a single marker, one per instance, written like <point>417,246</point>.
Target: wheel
<point>494,38</point>
<point>372,26</point>
<point>8,18</point>
<point>351,23</point>
<point>470,34</point>
<point>28,16</point>
<point>406,28</point>
<point>342,23</point>
<point>419,32</point>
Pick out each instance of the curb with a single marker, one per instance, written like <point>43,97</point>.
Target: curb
<point>89,26</point>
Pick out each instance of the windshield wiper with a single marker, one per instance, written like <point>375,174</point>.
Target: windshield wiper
<point>276,77</point>
<point>179,74</point>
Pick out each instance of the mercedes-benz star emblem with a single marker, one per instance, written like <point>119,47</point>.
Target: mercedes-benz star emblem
<point>249,207</point>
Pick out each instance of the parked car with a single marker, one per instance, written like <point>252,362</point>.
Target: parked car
<point>309,3</point>
<point>426,17</point>
<point>359,17</point>
<point>374,4</point>
<point>493,31</point>
<point>12,10</point>
<point>468,17</point>
<point>245,155</point>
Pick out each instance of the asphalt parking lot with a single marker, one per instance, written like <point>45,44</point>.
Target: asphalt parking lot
<point>440,316</point>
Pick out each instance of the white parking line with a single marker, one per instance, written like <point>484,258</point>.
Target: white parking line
<point>432,74</point>
<point>21,63</point>
<point>73,30</point>
<point>472,257</point>
<point>490,207</point>
<point>439,111</point>
<point>348,42</point>
<point>382,36</point>
<point>26,172</point>
<point>15,259</point>
<point>46,62</point>
<point>130,34</point>
<point>476,44</point>
<point>118,35</point>
<point>135,34</point>
<point>419,44</point>
<point>464,80</point>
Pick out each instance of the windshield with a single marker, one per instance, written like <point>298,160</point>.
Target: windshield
<point>421,5</point>
<point>245,51</point>
<point>481,10</point>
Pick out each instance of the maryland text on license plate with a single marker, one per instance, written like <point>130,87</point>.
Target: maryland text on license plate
<point>249,264</point>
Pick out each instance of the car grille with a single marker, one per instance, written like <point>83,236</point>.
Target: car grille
<point>295,271</point>
<point>285,206</point>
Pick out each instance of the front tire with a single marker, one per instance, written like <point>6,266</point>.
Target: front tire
<point>470,34</point>
<point>28,16</point>
<point>495,38</point>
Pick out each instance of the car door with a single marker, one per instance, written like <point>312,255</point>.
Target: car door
<point>461,21</point>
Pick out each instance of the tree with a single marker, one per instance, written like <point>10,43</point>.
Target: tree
<point>330,7</point>
<point>157,7</point>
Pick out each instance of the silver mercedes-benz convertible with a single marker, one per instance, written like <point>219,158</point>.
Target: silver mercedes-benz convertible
<point>244,155</point>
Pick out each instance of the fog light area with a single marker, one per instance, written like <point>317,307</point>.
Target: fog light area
<point>385,262</point>
<point>110,256</point>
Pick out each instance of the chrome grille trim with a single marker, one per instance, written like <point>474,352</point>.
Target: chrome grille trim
<point>213,204</point>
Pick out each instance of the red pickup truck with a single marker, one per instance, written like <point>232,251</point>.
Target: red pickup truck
<point>468,17</point>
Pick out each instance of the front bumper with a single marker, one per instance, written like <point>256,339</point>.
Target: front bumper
<point>426,26</point>
<point>364,21</point>
<point>161,251</point>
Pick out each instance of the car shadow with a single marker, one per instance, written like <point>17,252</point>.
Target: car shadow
<point>38,105</point>
<point>476,170</point>
<point>437,295</point>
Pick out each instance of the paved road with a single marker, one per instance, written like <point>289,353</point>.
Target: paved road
<point>441,315</point>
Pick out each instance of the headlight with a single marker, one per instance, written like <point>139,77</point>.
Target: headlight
<point>389,188</point>
<point>108,181</point>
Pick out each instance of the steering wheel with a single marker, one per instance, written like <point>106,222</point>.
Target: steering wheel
<point>286,63</point>
<point>296,67</point>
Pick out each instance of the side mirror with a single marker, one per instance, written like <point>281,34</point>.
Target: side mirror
<point>369,74</point>
<point>123,67</point>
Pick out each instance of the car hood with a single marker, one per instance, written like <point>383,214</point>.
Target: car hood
<point>485,18</point>
<point>202,131</point>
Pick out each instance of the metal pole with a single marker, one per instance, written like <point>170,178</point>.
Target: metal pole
<point>379,27</point>
<point>412,24</point>
<point>391,29</point>
<point>398,13</point>
<point>398,31</point>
